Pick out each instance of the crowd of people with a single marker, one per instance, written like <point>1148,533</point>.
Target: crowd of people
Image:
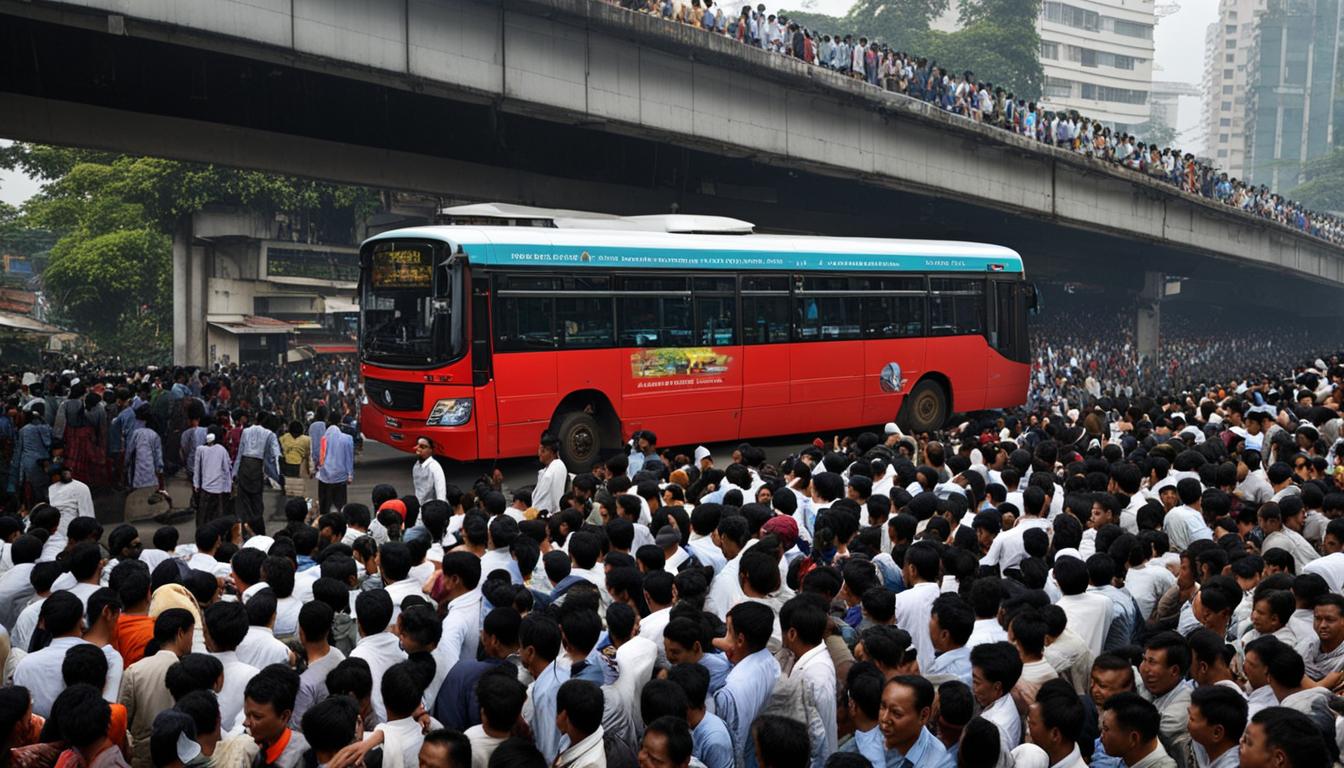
<point>965,94</point>
<point>103,427</point>
<point>1071,366</point>
<point>1108,578</point>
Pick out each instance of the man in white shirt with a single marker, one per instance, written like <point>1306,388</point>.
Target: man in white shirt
<point>394,561</point>
<point>550,487</point>
<point>1089,613</point>
<point>804,624</point>
<point>225,627</point>
<point>1278,535</point>
<point>1185,523</point>
<point>259,647</point>
<point>1008,548</point>
<point>379,648</point>
<point>986,596</point>
<point>40,672</point>
<point>70,496</point>
<point>427,473</point>
<point>401,694</point>
<point>16,587</point>
<point>462,623</point>
<point>995,669</point>
<point>914,605</point>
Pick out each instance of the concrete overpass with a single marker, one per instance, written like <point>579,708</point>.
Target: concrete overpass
<point>577,103</point>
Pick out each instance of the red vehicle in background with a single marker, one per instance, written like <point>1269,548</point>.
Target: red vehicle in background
<point>482,337</point>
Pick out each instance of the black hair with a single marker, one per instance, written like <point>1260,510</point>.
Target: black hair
<point>84,663</point>
<point>781,741</point>
<point>664,698</point>
<point>373,609</point>
<point>1133,713</point>
<point>193,672</point>
<point>329,724</point>
<point>501,698</point>
<point>582,702</point>
<point>998,663</point>
<point>167,727</point>
<point>515,752</point>
<point>753,621</point>
<point>1222,706</point>
<point>402,689</point>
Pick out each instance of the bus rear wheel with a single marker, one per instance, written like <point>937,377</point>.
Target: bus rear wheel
<point>925,408</point>
<point>580,440</point>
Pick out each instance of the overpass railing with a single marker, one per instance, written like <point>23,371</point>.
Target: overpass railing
<point>963,94</point>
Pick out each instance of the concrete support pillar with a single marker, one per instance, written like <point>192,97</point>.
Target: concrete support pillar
<point>1147,330</point>
<point>181,294</point>
<point>198,307</point>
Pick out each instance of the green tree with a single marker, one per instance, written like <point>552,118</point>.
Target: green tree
<point>901,24</point>
<point>1003,56</point>
<point>110,269</point>
<point>998,39</point>
<point>1323,189</point>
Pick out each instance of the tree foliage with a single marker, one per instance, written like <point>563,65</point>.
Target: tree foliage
<point>997,41</point>
<point>110,269</point>
<point>1323,189</point>
<point>1002,56</point>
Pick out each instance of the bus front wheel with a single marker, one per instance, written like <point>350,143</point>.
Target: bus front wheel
<point>580,440</point>
<point>925,408</point>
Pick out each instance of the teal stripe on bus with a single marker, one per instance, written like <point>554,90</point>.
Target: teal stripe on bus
<point>609,257</point>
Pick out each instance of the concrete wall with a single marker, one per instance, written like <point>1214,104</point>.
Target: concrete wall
<point>594,64</point>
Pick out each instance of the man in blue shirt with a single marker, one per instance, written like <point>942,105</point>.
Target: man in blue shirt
<point>907,706</point>
<point>713,743</point>
<point>951,621</point>
<point>539,641</point>
<point>335,469</point>
<point>865,684</point>
<point>581,629</point>
<point>258,458</point>
<point>754,671</point>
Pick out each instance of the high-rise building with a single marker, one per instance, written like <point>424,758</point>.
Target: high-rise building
<point>1291,87</point>
<point>1097,56</point>
<point>1228,43</point>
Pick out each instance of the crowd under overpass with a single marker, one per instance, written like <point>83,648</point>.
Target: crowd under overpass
<point>579,104</point>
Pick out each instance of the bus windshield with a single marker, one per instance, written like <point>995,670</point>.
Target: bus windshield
<point>408,307</point>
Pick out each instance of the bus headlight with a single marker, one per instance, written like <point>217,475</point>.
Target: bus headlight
<point>450,413</point>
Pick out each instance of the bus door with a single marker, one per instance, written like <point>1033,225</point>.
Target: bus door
<point>482,370</point>
<point>1006,381</point>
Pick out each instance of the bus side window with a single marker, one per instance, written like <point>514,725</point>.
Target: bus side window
<point>524,323</point>
<point>765,319</point>
<point>715,321</point>
<point>645,321</point>
<point>585,323</point>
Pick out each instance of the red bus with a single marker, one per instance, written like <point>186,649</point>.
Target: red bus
<point>481,337</point>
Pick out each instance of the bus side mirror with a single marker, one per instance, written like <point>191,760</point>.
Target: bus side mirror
<point>1033,300</point>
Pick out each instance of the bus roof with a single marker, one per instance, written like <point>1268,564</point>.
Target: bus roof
<point>551,247</point>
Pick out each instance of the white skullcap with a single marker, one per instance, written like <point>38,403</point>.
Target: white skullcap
<point>262,543</point>
<point>701,452</point>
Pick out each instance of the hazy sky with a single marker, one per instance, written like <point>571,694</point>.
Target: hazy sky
<point>1180,57</point>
